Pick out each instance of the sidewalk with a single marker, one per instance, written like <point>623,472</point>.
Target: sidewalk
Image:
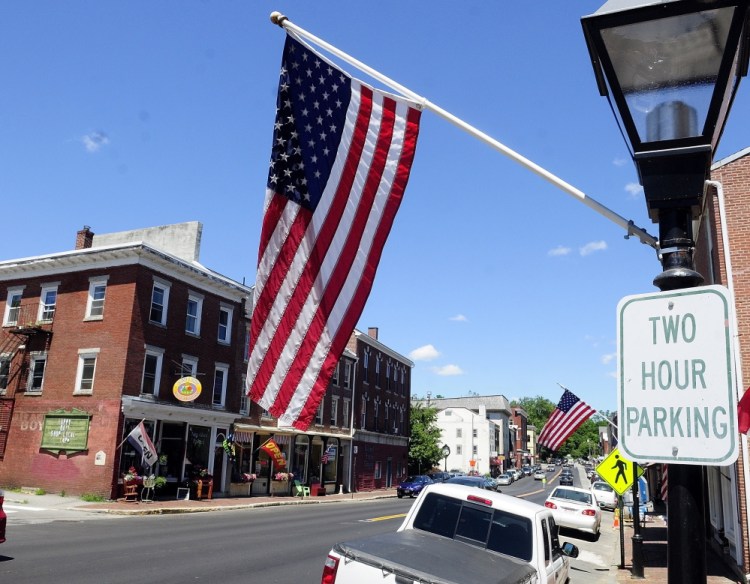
<point>165,506</point>
<point>655,559</point>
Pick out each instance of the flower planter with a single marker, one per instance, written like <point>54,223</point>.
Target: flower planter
<point>279,487</point>
<point>241,489</point>
<point>204,489</point>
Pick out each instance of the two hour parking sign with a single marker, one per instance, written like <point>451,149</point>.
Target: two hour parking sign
<point>676,397</point>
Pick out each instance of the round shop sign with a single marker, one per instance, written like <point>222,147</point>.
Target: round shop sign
<point>186,389</point>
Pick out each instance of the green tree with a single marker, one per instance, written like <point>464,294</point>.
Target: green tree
<point>424,446</point>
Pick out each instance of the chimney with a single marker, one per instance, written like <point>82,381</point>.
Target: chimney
<point>373,332</point>
<point>84,238</point>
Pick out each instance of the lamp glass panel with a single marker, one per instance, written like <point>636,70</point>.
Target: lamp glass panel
<point>667,70</point>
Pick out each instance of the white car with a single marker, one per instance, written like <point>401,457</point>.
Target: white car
<point>575,508</point>
<point>540,475</point>
<point>605,495</point>
<point>504,479</point>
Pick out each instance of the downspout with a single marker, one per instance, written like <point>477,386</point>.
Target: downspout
<point>351,428</point>
<point>737,354</point>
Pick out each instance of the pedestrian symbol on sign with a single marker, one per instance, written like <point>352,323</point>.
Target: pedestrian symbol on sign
<point>621,467</point>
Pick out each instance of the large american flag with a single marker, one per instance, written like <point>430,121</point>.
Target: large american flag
<point>568,416</point>
<point>341,157</point>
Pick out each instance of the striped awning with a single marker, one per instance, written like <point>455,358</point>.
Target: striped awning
<point>243,437</point>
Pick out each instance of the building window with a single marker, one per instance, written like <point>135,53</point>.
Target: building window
<point>86,370</point>
<point>459,449</point>
<point>345,414</point>
<point>347,375</point>
<point>193,317</point>
<point>244,401</point>
<point>366,364</point>
<point>159,303</point>
<point>474,450</point>
<point>376,414</point>
<point>388,375</point>
<point>4,372</point>
<point>377,371</point>
<point>152,371</point>
<point>319,413</point>
<point>363,415</point>
<point>189,366</point>
<point>47,303</point>
<point>335,374</point>
<point>378,470</point>
<point>36,373</point>
<point>246,351</point>
<point>221,375</point>
<point>474,433</point>
<point>95,302</point>
<point>334,411</point>
<point>225,325</point>
<point>12,306</point>
<point>459,433</point>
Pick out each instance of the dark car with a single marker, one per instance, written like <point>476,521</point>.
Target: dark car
<point>413,485</point>
<point>566,479</point>
<point>439,476</point>
<point>479,482</point>
<point>3,518</point>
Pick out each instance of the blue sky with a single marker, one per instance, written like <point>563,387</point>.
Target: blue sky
<point>123,115</point>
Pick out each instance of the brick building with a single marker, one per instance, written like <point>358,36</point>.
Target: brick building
<point>94,339</point>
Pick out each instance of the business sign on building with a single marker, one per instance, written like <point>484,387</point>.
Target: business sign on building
<point>675,377</point>
<point>65,431</point>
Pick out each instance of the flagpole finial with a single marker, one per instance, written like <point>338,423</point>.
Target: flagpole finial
<point>278,18</point>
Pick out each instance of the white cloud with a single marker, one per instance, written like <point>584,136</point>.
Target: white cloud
<point>620,161</point>
<point>448,370</point>
<point>592,246</point>
<point>94,141</point>
<point>458,318</point>
<point>634,190</point>
<point>425,353</point>
<point>608,358</point>
<point>560,250</point>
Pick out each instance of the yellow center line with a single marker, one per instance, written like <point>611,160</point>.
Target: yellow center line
<point>384,518</point>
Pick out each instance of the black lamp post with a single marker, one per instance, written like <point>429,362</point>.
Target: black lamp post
<point>446,450</point>
<point>672,68</point>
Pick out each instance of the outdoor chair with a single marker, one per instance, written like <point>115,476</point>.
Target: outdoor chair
<point>301,490</point>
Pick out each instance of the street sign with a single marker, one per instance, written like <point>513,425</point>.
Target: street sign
<point>617,471</point>
<point>676,397</point>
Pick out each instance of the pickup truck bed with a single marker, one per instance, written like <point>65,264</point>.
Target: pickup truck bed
<point>420,555</point>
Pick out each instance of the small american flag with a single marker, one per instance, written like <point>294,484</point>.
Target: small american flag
<point>340,161</point>
<point>568,416</point>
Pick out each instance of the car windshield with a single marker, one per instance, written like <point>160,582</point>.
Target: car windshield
<point>602,487</point>
<point>569,495</point>
<point>497,530</point>
<point>413,480</point>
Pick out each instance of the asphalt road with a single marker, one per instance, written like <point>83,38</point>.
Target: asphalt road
<point>59,544</point>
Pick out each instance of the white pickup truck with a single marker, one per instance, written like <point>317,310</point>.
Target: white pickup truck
<point>456,534</point>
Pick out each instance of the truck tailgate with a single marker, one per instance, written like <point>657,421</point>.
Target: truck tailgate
<point>425,557</point>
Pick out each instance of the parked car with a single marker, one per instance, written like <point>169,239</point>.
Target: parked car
<point>575,508</point>
<point>439,476</point>
<point>517,473</point>
<point>526,470</point>
<point>550,468</point>
<point>3,518</point>
<point>413,485</point>
<point>605,495</point>
<point>479,482</point>
<point>504,479</point>
<point>566,478</point>
<point>540,475</point>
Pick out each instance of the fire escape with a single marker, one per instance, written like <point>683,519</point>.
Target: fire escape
<point>26,329</point>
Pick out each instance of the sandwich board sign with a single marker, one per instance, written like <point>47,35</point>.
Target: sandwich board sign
<point>676,395</point>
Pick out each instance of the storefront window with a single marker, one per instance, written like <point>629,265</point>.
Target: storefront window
<point>299,458</point>
<point>130,456</point>
<point>198,446</point>
<point>331,459</point>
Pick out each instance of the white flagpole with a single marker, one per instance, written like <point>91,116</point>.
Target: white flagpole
<point>629,226</point>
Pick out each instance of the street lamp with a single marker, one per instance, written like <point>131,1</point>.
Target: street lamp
<point>672,69</point>
<point>446,450</point>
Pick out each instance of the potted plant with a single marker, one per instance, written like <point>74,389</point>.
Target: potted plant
<point>280,483</point>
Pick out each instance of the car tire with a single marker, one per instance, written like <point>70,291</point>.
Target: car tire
<point>411,495</point>
<point>399,495</point>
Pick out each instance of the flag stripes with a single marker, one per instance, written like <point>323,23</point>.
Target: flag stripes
<point>319,249</point>
<point>567,417</point>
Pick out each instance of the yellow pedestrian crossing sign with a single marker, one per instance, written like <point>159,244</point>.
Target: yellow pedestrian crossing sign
<point>617,471</point>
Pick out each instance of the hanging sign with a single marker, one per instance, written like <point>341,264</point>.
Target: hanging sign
<point>65,431</point>
<point>186,389</point>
